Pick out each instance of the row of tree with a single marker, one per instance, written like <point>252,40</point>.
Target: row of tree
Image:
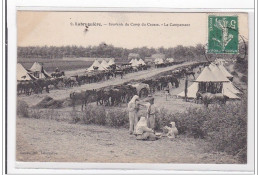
<point>109,51</point>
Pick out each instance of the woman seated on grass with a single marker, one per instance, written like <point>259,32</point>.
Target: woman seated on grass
<point>143,132</point>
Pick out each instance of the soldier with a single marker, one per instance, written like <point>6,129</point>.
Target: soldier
<point>151,113</point>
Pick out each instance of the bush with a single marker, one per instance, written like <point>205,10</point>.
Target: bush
<point>22,108</point>
<point>96,115</point>
<point>225,127</point>
<point>117,118</point>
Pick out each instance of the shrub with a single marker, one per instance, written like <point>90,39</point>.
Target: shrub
<point>225,127</point>
<point>96,115</point>
<point>117,118</point>
<point>35,114</point>
<point>22,108</point>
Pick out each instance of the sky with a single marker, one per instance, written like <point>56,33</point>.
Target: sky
<point>59,29</point>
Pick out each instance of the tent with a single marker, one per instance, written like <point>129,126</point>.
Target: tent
<point>222,69</point>
<point>132,60</point>
<point>104,64</point>
<point>38,71</point>
<point>101,67</point>
<point>192,90</point>
<point>225,72</point>
<point>141,62</point>
<point>23,74</point>
<point>208,76</point>
<point>111,62</point>
<point>212,74</point>
<point>228,85</point>
<point>95,64</point>
<point>159,61</point>
<point>135,63</point>
<point>170,60</point>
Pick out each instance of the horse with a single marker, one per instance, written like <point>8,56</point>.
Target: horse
<point>57,74</point>
<point>208,98</point>
<point>82,96</point>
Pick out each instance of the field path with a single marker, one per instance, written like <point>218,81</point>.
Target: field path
<point>59,94</point>
<point>44,140</point>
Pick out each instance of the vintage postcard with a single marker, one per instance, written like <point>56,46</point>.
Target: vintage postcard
<point>132,87</point>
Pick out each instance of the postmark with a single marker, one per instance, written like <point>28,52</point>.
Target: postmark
<point>223,34</point>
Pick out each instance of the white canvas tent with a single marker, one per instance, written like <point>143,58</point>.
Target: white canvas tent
<point>95,64</point>
<point>104,64</point>
<point>101,67</point>
<point>22,73</point>
<point>132,60</point>
<point>134,63</point>
<point>192,90</point>
<point>159,61</point>
<point>38,71</point>
<point>111,62</point>
<point>170,60</point>
<point>212,75</point>
<point>141,62</point>
<point>224,71</point>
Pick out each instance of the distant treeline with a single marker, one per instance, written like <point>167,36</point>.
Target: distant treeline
<point>109,51</point>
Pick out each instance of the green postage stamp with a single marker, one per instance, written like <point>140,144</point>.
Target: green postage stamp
<point>223,34</point>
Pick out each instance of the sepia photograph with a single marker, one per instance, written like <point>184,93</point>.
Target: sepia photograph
<point>132,87</point>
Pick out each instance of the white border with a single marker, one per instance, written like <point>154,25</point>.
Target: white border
<point>93,168</point>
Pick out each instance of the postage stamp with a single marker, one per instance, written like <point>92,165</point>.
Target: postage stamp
<point>223,34</point>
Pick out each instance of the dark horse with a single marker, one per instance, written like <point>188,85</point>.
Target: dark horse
<point>57,74</point>
<point>208,98</point>
<point>83,97</point>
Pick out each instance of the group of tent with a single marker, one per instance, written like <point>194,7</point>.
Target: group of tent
<point>214,73</point>
<point>161,61</point>
<point>101,66</point>
<point>135,62</point>
<point>35,72</point>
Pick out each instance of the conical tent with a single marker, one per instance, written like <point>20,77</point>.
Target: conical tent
<point>224,71</point>
<point>36,67</point>
<point>38,71</point>
<point>95,64</point>
<point>132,60</point>
<point>22,73</point>
<point>227,85</point>
<point>170,60</point>
<point>135,63</point>
<point>207,76</point>
<point>101,67</point>
<point>192,91</point>
<point>111,62</point>
<point>142,62</point>
<point>160,61</point>
<point>104,64</point>
<point>216,71</point>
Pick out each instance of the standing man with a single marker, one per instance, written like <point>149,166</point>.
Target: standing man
<point>133,108</point>
<point>186,87</point>
<point>151,114</point>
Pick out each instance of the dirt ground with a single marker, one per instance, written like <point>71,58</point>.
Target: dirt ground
<point>53,141</point>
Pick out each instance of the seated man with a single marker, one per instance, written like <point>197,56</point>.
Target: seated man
<point>143,132</point>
